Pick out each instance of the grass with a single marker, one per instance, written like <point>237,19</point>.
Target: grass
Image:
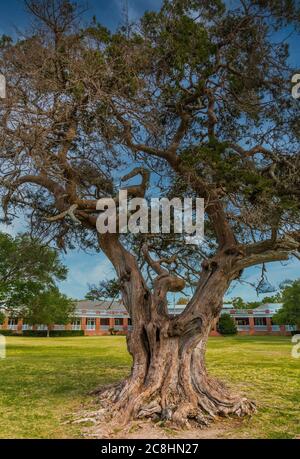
<point>42,381</point>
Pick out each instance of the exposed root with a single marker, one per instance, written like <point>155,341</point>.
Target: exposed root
<point>173,388</point>
<point>125,402</point>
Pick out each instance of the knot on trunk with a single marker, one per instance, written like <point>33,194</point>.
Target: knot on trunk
<point>181,328</point>
<point>235,250</point>
<point>210,265</point>
<point>125,277</point>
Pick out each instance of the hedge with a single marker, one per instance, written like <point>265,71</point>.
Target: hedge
<point>7,332</point>
<point>53,333</point>
<point>295,332</point>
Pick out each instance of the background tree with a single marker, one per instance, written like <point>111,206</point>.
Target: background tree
<point>49,307</point>
<point>239,303</point>
<point>199,94</point>
<point>273,299</point>
<point>226,325</point>
<point>27,267</point>
<point>109,290</point>
<point>2,317</point>
<point>290,312</point>
<point>253,304</point>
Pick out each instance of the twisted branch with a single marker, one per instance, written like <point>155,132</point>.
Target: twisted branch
<point>69,212</point>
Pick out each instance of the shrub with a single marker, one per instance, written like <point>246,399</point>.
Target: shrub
<point>6,332</point>
<point>2,318</point>
<point>53,333</point>
<point>226,325</point>
<point>66,333</point>
<point>295,332</point>
<point>33,333</point>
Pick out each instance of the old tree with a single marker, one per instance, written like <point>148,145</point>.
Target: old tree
<point>199,96</point>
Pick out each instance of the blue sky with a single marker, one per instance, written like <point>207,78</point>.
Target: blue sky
<point>83,268</point>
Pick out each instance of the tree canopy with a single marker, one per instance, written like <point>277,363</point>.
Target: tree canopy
<point>226,325</point>
<point>27,267</point>
<point>198,92</point>
<point>195,99</point>
<point>49,307</point>
<point>2,317</point>
<point>104,290</point>
<point>290,312</point>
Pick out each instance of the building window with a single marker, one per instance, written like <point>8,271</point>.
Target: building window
<point>76,324</point>
<point>242,321</point>
<point>104,322</point>
<point>260,321</point>
<point>42,327</point>
<point>91,324</point>
<point>12,324</point>
<point>119,322</point>
<point>129,321</point>
<point>59,327</point>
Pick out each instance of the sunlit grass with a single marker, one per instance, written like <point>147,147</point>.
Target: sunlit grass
<point>263,369</point>
<point>43,380</point>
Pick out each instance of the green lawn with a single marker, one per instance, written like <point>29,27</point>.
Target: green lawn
<point>43,380</point>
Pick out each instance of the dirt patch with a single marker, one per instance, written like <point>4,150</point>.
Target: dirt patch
<point>96,425</point>
<point>148,430</point>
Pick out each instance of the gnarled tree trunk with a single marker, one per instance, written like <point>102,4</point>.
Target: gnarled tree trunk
<point>169,380</point>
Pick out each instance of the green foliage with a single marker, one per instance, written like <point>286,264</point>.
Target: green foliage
<point>105,290</point>
<point>290,312</point>
<point>239,303</point>
<point>50,307</point>
<point>226,325</point>
<point>53,333</point>
<point>179,42</point>
<point>201,81</point>
<point>7,332</point>
<point>98,32</point>
<point>2,317</point>
<point>253,304</point>
<point>5,41</point>
<point>27,267</point>
<point>273,299</point>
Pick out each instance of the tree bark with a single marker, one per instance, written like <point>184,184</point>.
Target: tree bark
<point>169,380</point>
<point>172,382</point>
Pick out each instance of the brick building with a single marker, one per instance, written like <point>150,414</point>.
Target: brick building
<point>102,317</point>
<point>256,321</point>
